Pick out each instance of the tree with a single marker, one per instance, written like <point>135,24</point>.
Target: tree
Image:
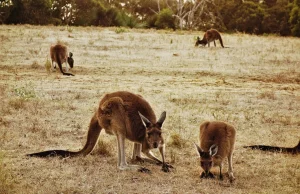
<point>165,19</point>
<point>185,12</point>
<point>207,16</point>
<point>295,18</point>
<point>65,11</point>
<point>276,19</point>
<point>30,12</point>
<point>248,18</point>
<point>270,3</point>
<point>86,12</point>
<point>5,9</point>
<point>227,9</point>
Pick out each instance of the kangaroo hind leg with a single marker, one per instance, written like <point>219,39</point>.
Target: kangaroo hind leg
<point>122,164</point>
<point>136,152</point>
<point>230,169</point>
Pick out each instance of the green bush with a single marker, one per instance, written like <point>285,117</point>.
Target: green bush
<point>276,19</point>
<point>248,18</point>
<point>295,20</point>
<point>165,19</point>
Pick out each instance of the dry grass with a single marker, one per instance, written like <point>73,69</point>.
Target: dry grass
<point>253,84</point>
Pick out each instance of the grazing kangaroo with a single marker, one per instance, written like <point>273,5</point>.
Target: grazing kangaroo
<point>209,36</point>
<point>127,116</point>
<point>217,141</point>
<point>294,150</point>
<point>59,55</point>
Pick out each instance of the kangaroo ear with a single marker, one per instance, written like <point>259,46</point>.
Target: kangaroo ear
<point>161,118</point>
<point>213,150</point>
<point>146,122</point>
<point>199,150</point>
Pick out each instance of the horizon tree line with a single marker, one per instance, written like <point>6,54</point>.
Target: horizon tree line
<point>280,17</point>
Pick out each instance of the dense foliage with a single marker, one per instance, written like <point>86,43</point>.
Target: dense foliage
<point>250,16</point>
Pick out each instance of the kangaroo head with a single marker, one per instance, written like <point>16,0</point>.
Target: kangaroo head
<point>153,131</point>
<point>71,60</point>
<point>206,158</point>
<point>197,41</point>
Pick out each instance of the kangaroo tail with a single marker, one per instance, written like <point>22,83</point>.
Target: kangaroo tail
<point>221,41</point>
<point>92,138</point>
<point>294,150</point>
<point>264,148</point>
<point>60,64</point>
<point>53,153</point>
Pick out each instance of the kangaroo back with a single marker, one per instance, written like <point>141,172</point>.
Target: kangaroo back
<point>59,55</point>
<point>217,141</point>
<point>59,62</point>
<point>218,133</point>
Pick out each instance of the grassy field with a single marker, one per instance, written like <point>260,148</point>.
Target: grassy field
<point>254,85</point>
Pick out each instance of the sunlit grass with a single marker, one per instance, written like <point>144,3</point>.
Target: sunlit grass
<point>253,85</point>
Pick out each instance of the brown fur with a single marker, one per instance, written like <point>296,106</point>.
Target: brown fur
<point>209,36</point>
<point>217,141</point>
<point>59,54</point>
<point>124,115</point>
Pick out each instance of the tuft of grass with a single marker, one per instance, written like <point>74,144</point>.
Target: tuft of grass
<point>6,183</point>
<point>33,51</point>
<point>103,148</point>
<point>70,30</point>
<point>48,65</point>
<point>25,92</point>
<point>285,120</point>
<point>35,65</point>
<point>177,141</point>
<point>61,42</point>
<point>91,42</point>
<point>17,103</point>
<point>34,126</point>
<point>78,96</point>
<point>120,30</point>
<point>267,95</point>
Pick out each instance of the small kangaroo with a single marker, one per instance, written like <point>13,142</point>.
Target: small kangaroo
<point>294,150</point>
<point>127,116</point>
<point>209,36</point>
<point>59,55</point>
<point>217,141</point>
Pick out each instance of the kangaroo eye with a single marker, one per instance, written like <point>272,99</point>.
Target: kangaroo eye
<point>149,133</point>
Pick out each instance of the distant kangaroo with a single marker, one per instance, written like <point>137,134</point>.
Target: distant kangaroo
<point>209,36</point>
<point>217,141</point>
<point>294,150</point>
<point>127,116</point>
<point>59,55</point>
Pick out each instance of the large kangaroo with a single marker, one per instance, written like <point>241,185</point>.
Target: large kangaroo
<point>127,116</point>
<point>217,141</point>
<point>293,150</point>
<point>59,54</point>
<point>209,36</point>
